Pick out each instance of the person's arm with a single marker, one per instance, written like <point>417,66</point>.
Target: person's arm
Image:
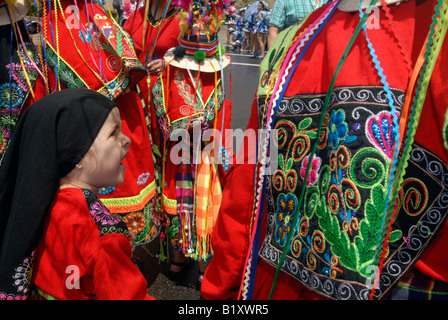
<point>272,34</point>
<point>276,21</point>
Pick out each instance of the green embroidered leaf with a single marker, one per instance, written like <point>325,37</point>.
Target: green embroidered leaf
<point>370,229</point>
<point>280,53</point>
<point>119,44</point>
<point>305,123</point>
<point>311,201</point>
<point>106,47</point>
<point>281,162</point>
<point>289,164</point>
<point>395,235</point>
<point>271,57</point>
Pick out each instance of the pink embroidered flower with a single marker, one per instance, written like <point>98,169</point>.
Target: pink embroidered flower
<point>314,171</point>
<point>102,215</point>
<point>143,178</point>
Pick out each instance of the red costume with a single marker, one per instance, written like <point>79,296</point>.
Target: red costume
<point>167,33</point>
<point>336,219</point>
<point>86,254</point>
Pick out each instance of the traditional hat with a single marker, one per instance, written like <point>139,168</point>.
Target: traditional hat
<point>19,10</point>
<point>199,47</point>
<point>198,52</point>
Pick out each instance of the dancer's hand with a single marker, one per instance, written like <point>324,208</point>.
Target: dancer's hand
<point>155,67</point>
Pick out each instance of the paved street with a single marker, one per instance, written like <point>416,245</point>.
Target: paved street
<point>244,77</point>
<point>243,73</point>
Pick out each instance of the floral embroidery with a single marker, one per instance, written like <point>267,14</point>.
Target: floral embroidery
<point>337,128</point>
<point>193,114</point>
<point>14,92</point>
<point>295,141</point>
<point>105,221</point>
<point>135,222</point>
<point>340,219</point>
<point>11,96</point>
<point>21,279</point>
<point>184,90</point>
<point>286,208</point>
<point>143,179</point>
<point>101,214</point>
<point>381,134</point>
<point>314,171</point>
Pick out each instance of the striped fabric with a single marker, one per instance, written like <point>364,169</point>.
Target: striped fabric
<point>185,206</point>
<point>418,286</point>
<point>192,46</point>
<point>208,202</point>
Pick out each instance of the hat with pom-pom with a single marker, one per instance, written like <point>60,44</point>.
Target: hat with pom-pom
<point>199,25</point>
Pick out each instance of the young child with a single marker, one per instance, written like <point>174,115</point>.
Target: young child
<point>66,146</point>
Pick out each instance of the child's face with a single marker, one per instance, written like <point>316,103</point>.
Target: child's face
<point>102,165</point>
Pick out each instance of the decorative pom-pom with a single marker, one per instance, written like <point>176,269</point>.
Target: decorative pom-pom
<point>199,55</point>
<point>223,51</point>
<point>179,52</point>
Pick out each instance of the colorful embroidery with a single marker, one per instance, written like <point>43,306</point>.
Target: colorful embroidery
<point>105,221</point>
<point>333,251</point>
<point>340,222</point>
<point>145,224</point>
<point>194,114</point>
<point>120,59</point>
<point>337,128</point>
<point>380,133</point>
<point>14,94</point>
<point>313,174</point>
<point>286,208</point>
<point>135,222</point>
<point>143,179</point>
<point>21,279</point>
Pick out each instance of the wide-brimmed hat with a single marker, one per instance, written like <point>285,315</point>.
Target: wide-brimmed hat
<point>198,51</point>
<point>199,48</point>
<point>19,10</point>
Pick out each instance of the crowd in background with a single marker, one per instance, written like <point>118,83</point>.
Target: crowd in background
<point>247,28</point>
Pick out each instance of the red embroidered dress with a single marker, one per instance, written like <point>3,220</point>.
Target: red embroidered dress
<point>84,252</point>
<point>340,220</point>
<point>92,51</point>
<point>168,37</point>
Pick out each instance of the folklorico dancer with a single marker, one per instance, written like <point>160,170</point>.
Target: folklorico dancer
<point>154,28</point>
<point>356,208</point>
<point>188,100</point>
